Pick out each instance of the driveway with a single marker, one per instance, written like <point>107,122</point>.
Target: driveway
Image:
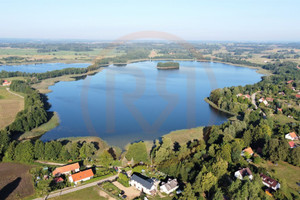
<point>131,192</point>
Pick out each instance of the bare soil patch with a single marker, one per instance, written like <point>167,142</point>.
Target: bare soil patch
<point>15,181</point>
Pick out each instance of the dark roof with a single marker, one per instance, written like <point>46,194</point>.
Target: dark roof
<point>268,180</point>
<point>245,172</point>
<point>144,181</point>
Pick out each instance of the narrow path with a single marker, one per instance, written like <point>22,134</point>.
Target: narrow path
<point>14,93</point>
<point>50,163</point>
<point>73,189</point>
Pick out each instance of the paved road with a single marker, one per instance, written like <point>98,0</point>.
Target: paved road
<point>73,189</point>
<point>253,100</point>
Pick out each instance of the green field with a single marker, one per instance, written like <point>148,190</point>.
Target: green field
<point>284,171</point>
<point>91,193</point>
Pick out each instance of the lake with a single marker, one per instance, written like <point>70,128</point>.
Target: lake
<point>139,102</point>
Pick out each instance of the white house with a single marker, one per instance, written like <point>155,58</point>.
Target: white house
<point>81,176</point>
<point>240,174</point>
<point>291,136</point>
<point>143,184</point>
<point>169,187</point>
<point>271,183</point>
<point>262,100</point>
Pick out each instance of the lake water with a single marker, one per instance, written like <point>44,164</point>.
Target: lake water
<point>139,102</point>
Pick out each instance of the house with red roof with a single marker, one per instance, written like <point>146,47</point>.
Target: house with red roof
<point>292,144</point>
<point>291,136</point>
<point>81,176</point>
<point>269,182</point>
<point>58,180</point>
<point>67,170</point>
<point>6,83</point>
<point>290,81</point>
<point>298,96</point>
<point>269,99</point>
<point>247,96</point>
<point>247,150</point>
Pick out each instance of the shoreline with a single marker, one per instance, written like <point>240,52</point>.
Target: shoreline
<point>43,87</point>
<point>212,104</point>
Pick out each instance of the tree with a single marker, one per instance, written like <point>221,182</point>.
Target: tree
<point>9,154</point>
<point>39,149</point>
<point>188,193</point>
<point>87,150</point>
<point>75,150</point>
<point>24,152</point>
<point>106,158</point>
<point>218,195</point>
<point>219,168</point>
<point>137,152</point>
<point>64,154</point>
<point>52,150</point>
<point>208,181</point>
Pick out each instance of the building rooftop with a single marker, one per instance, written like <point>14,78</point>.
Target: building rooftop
<point>144,181</point>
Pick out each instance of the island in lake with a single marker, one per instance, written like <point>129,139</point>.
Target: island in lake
<point>167,65</point>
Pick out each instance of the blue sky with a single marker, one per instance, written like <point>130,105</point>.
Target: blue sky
<point>239,20</point>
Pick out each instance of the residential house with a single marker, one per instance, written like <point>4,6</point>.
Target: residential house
<point>58,180</point>
<point>291,136</point>
<point>248,150</point>
<point>239,95</point>
<point>169,187</point>
<point>66,169</point>
<point>240,174</point>
<point>292,144</point>
<point>81,176</point>
<point>262,100</point>
<point>298,96</point>
<point>247,96</point>
<point>269,182</point>
<point>6,83</point>
<point>269,99</point>
<point>290,81</point>
<point>144,184</point>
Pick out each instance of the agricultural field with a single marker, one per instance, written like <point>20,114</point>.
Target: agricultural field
<point>10,105</point>
<point>15,181</point>
<point>32,55</point>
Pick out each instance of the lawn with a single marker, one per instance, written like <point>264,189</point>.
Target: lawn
<point>91,193</point>
<point>10,105</point>
<point>282,119</point>
<point>111,188</point>
<point>284,171</point>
